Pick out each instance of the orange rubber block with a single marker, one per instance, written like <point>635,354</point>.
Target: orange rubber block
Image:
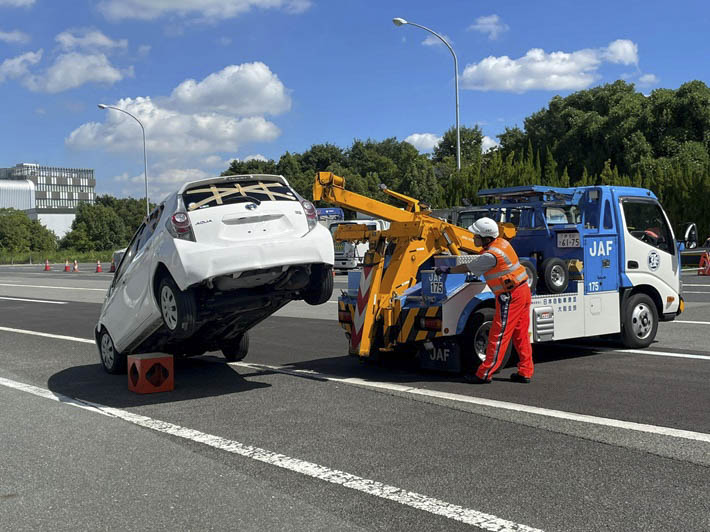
<point>150,373</point>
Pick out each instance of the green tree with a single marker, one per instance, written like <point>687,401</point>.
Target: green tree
<point>98,227</point>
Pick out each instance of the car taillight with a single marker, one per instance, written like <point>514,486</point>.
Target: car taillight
<point>179,226</point>
<point>311,214</point>
<point>430,324</point>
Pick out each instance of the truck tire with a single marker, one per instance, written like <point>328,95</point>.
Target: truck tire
<point>112,361</point>
<point>555,274</point>
<point>320,287</point>
<point>235,349</point>
<point>177,308</point>
<point>639,321</point>
<point>532,274</point>
<point>475,341</point>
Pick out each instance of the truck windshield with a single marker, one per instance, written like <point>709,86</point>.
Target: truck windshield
<point>646,221</point>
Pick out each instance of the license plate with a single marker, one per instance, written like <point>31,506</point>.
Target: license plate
<point>568,240</point>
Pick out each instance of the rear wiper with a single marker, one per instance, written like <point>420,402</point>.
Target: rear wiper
<point>247,199</point>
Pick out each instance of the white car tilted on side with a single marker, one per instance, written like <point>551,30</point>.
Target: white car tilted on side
<point>212,260</point>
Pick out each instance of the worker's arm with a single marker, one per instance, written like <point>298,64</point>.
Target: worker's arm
<point>479,264</point>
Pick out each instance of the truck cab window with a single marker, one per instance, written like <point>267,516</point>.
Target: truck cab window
<point>645,220</point>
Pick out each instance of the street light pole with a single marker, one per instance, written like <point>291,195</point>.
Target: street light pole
<point>400,22</point>
<point>145,159</point>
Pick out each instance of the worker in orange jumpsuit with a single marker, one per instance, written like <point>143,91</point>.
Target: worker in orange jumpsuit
<point>508,280</point>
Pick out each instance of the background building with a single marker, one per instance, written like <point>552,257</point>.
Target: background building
<point>56,194</point>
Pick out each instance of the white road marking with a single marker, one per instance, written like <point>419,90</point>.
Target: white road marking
<point>48,335</point>
<point>34,300</point>
<point>695,292</point>
<point>629,425</point>
<point>686,284</point>
<point>560,414</point>
<point>693,322</point>
<point>55,287</point>
<point>310,469</point>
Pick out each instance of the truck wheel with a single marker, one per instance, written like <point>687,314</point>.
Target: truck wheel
<point>112,361</point>
<point>532,274</point>
<point>320,287</point>
<point>475,341</point>
<point>177,308</point>
<point>639,322</point>
<point>556,275</point>
<point>235,349</point>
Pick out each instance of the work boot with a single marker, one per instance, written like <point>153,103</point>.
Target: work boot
<point>517,377</point>
<point>472,378</point>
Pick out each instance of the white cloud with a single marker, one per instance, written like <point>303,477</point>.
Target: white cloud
<point>424,142</point>
<point>491,25</point>
<point>432,40</point>
<point>648,79</point>
<point>488,144</point>
<point>17,3</point>
<point>255,157</point>
<point>247,89</point>
<point>14,37</point>
<point>538,70</point>
<point>143,50</point>
<point>87,39</point>
<point>17,67</point>
<point>73,70</point>
<point>206,10</point>
<point>169,132</point>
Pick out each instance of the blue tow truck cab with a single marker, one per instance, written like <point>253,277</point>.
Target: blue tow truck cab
<point>601,260</point>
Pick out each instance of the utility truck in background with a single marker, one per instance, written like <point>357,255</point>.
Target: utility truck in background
<point>602,260</point>
<point>349,255</point>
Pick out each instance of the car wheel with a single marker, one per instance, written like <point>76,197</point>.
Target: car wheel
<point>475,341</point>
<point>556,275</point>
<point>320,287</point>
<point>532,274</point>
<point>113,361</point>
<point>235,349</point>
<point>177,308</point>
<point>639,322</point>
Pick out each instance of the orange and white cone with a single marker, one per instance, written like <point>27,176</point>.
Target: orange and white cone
<point>67,268</point>
<point>98,266</point>
<point>704,267</point>
<point>46,266</point>
<point>76,266</point>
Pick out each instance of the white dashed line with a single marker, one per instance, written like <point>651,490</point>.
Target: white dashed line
<point>34,300</point>
<point>55,287</point>
<point>341,478</point>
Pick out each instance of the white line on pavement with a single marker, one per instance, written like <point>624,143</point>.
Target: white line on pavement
<point>693,322</point>
<point>34,300</point>
<point>695,292</point>
<point>310,469</point>
<point>570,416</point>
<point>686,284</point>
<point>667,431</point>
<point>55,287</point>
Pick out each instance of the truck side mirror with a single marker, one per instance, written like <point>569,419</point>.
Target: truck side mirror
<point>690,236</point>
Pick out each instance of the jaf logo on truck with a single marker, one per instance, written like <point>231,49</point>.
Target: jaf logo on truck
<point>601,248</point>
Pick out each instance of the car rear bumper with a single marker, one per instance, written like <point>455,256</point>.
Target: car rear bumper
<point>198,262</point>
<point>342,263</point>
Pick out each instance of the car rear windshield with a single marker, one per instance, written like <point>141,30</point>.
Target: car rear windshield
<point>225,193</point>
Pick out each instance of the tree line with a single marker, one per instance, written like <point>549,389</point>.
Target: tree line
<point>607,135</point>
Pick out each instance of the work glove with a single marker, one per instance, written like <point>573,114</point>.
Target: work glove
<point>442,269</point>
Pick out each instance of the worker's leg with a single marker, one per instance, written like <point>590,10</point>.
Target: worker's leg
<point>521,338</point>
<point>498,338</point>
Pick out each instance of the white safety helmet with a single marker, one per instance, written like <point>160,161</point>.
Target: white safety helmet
<point>484,227</point>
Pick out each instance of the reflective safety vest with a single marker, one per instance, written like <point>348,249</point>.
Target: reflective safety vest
<point>507,273</point>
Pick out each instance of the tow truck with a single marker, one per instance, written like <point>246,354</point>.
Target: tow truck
<point>602,260</point>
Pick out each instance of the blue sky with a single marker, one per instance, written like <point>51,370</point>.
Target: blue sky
<point>214,80</point>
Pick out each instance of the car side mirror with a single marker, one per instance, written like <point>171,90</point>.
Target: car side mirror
<point>690,236</point>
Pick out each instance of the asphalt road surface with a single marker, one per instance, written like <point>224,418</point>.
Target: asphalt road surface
<point>299,436</point>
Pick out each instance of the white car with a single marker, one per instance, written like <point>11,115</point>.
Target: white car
<point>214,259</point>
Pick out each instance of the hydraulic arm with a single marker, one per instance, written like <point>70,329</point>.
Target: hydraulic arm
<point>412,238</point>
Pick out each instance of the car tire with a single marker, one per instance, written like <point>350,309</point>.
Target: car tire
<point>235,349</point>
<point>532,274</point>
<point>177,308</point>
<point>475,341</point>
<point>112,360</point>
<point>639,322</point>
<point>555,274</point>
<point>320,287</point>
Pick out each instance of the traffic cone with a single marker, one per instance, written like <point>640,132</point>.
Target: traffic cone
<point>66,266</point>
<point>46,266</point>
<point>704,267</point>
<point>112,269</point>
<point>98,266</point>
<point>76,266</point>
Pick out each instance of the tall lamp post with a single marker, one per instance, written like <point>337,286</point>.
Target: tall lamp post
<point>145,160</point>
<point>401,22</point>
